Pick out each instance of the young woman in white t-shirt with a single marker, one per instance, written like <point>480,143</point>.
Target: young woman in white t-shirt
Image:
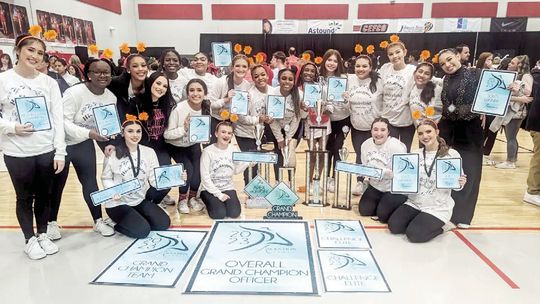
<point>31,157</point>
<point>424,214</point>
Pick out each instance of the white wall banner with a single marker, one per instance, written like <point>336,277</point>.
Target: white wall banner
<point>415,25</point>
<point>324,26</point>
<point>462,24</point>
<point>375,26</point>
<point>280,26</point>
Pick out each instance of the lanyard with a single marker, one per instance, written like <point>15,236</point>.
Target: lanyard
<point>136,172</point>
<point>432,164</point>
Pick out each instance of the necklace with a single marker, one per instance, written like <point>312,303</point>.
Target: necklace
<point>428,172</point>
<point>136,171</point>
<point>460,92</point>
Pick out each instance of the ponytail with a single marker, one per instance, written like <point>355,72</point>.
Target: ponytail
<point>443,147</point>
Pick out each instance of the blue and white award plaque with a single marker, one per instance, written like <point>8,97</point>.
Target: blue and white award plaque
<point>448,172</point>
<point>222,52</point>
<point>406,173</point>
<point>169,176</point>
<point>107,120</point>
<point>199,129</point>
<point>33,111</point>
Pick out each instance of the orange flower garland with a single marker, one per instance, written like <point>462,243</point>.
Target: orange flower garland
<point>124,48</point>
<point>35,30</point>
<point>93,49</point>
<point>370,49</point>
<point>234,117</point>
<point>435,59</point>
<point>394,38</point>
<point>416,115</point>
<point>143,116</point>
<point>430,111</point>
<point>251,61</point>
<point>259,58</point>
<point>50,35</point>
<point>224,114</point>
<point>237,48</point>
<point>358,48</point>
<point>141,47</point>
<point>107,53</point>
<point>318,60</point>
<point>425,54</point>
<point>130,117</point>
<point>383,44</point>
<point>247,50</point>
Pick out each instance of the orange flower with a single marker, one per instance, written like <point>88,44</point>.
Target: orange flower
<point>259,58</point>
<point>35,30</point>
<point>251,61</point>
<point>370,49</point>
<point>358,48</point>
<point>143,116</point>
<point>383,44</point>
<point>234,117</point>
<point>306,56</point>
<point>425,54</point>
<point>416,115</point>
<point>130,117</point>
<point>224,114</point>
<point>435,59</point>
<point>394,38</point>
<point>237,48</point>
<point>430,111</point>
<point>318,60</point>
<point>247,50</point>
<point>124,48</point>
<point>93,49</point>
<point>141,47</point>
<point>107,53</point>
<point>50,35</point>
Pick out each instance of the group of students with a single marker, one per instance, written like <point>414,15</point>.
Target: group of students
<point>156,111</point>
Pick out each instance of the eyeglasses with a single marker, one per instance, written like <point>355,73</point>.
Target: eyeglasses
<point>101,73</point>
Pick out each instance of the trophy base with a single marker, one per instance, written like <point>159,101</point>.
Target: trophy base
<point>342,207</point>
<point>315,203</point>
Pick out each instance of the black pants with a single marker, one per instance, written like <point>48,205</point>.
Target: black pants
<point>489,136</point>
<point>358,137</point>
<point>164,158</point>
<point>465,137</point>
<point>32,179</point>
<point>248,144</point>
<point>381,204</point>
<point>404,134</point>
<point>138,221</point>
<point>419,227</point>
<point>336,138</point>
<point>217,209</point>
<point>190,157</point>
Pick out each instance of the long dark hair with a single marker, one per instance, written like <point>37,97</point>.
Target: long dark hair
<point>205,106</point>
<point>482,60</point>
<point>300,81</point>
<point>10,63</point>
<point>230,77</point>
<point>165,102</point>
<point>443,147</point>
<point>428,92</point>
<point>373,75</point>
<point>295,95</point>
<point>121,150</point>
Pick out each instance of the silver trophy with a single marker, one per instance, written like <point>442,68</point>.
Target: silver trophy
<point>344,152</point>
<point>259,132</point>
<point>285,150</point>
<point>318,111</point>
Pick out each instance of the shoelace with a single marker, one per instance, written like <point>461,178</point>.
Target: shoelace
<point>109,222</point>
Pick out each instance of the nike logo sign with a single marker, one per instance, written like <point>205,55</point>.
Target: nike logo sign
<point>504,24</point>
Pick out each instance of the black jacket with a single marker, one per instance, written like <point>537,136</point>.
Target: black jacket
<point>533,117</point>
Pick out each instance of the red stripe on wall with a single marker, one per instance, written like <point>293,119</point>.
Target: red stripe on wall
<point>523,9</point>
<point>243,11</point>
<point>111,5</point>
<point>317,11</point>
<point>396,10</point>
<point>171,11</point>
<point>464,9</point>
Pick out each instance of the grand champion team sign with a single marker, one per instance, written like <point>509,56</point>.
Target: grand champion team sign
<point>157,260</point>
<point>256,257</point>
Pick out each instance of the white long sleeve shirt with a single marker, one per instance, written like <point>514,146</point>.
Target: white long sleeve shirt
<point>290,117</point>
<point>218,168</point>
<point>79,119</point>
<point>13,86</point>
<point>416,104</point>
<point>365,105</point>
<point>178,86</point>
<point>175,134</point>
<point>395,86</point>
<point>189,74</point>
<point>429,199</point>
<point>245,126</point>
<point>117,171</point>
<point>380,156</point>
<point>219,93</point>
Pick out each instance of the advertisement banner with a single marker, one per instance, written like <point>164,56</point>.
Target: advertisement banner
<point>279,26</point>
<point>324,26</point>
<point>462,24</point>
<point>375,26</point>
<point>415,25</point>
<point>508,25</point>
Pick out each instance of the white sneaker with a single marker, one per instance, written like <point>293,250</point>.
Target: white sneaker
<point>531,198</point>
<point>168,200</point>
<point>196,204</point>
<point>183,206</point>
<point>53,231</point>
<point>448,227</point>
<point>101,226</point>
<point>358,189</point>
<point>109,222</point>
<point>46,244</point>
<point>506,165</point>
<point>487,161</point>
<point>463,226</point>
<point>331,185</point>
<point>34,250</point>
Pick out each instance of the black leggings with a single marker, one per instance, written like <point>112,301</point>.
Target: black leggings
<point>404,134</point>
<point>246,145</point>
<point>217,209</point>
<point>32,179</point>
<point>138,221</point>
<point>381,204</point>
<point>164,158</point>
<point>190,157</point>
<point>358,138</point>
<point>489,136</point>
<point>335,142</point>
<point>419,227</point>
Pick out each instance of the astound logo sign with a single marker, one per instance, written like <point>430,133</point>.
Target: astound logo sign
<point>257,239</point>
<point>324,27</point>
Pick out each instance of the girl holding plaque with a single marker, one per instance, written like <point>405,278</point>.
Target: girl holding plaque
<point>217,170</point>
<point>130,83</point>
<point>81,132</point>
<point>397,79</point>
<point>377,152</point>
<point>339,112</point>
<point>182,149</point>
<point>169,63</point>
<point>285,129</point>
<point>134,215</point>
<point>462,130</point>
<point>365,100</point>
<point>425,213</point>
<point>32,157</point>
<point>223,91</point>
